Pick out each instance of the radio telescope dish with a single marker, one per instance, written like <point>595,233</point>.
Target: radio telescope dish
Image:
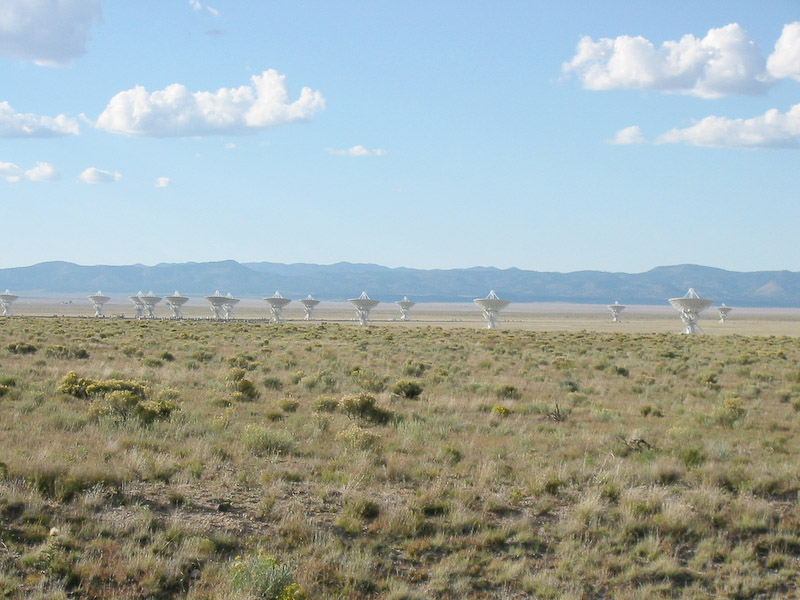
<point>98,300</point>
<point>138,305</point>
<point>363,304</point>
<point>6,300</point>
<point>276,305</point>
<point>227,306</point>
<point>175,302</point>
<point>491,306</point>
<point>723,312</point>
<point>217,301</point>
<point>308,305</point>
<point>150,300</point>
<point>690,307</point>
<point>616,310</point>
<point>405,306</point>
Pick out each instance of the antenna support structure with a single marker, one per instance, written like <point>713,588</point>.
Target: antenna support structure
<point>616,311</point>
<point>309,304</point>
<point>491,306</point>
<point>276,305</point>
<point>363,305</point>
<point>405,306</point>
<point>690,307</point>
<point>6,300</point>
<point>98,300</point>
<point>175,303</point>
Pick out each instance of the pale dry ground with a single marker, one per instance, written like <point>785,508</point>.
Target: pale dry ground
<point>525,316</point>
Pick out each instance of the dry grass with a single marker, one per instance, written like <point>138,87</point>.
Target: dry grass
<point>530,464</point>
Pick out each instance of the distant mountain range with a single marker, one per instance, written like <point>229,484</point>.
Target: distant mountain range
<point>346,280</point>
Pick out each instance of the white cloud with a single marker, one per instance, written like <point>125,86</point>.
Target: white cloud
<point>357,151</point>
<point>42,172</point>
<point>10,171</point>
<point>14,124</point>
<point>725,62</point>
<point>230,146</point>
<point>174,111</point>
<point>770,130</point>
<point>163,182</point>
<point>629,135</point>
<point>784,62</point>
<point>93,175</point>
<point>213,11</point>
<point>47,32</point>
<point>195,4</point>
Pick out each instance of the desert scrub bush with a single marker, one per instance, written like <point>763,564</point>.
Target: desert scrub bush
<point>358,438</point>
<point>125,404</point>
<point>66,352</point>
<point>415,369</point>
<point>325,404</point>
<point>272,383</point>
<point>75,386</point>
<point>731,411</point>
<point>288,404</point>
<point>261,576</point>
<point>407,389</point>
<point>21,348</point>
<point>244,390</point>
<point>500,411</point>
<point>263,441</point>
<point>363,407</point>
<point>507,391</point>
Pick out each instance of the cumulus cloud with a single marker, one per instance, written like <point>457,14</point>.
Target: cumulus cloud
<point>198,6</point>
<point>784,62</point>
<point>41,172</point>
<point>357,151</point>
<point>629,135</point>
<point>47,32</point>
<point>175,111</point>
<point>14,124</point>
<point>773,129</point>
<point>725,62</point>
<point>93,175</point>
<point>10,171</point>
<point>163,182</point>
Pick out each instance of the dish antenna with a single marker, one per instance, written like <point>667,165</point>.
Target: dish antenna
<point>98,300</point>
<point>227,306</point>
<point>138,305</point>
<point>276,305</point>
<point>491,306</point>
<point>217,301</point>
<point>723,312</point>
<point>690,307</point>
<point>308,305</point>
<point>6,299</point>
<point>405,305</point>
<point>364,304</point>
<point>175,302</point>
<point>616,310</point>
<point>150,300</point>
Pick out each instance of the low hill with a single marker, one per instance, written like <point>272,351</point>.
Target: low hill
<point>345,280</point>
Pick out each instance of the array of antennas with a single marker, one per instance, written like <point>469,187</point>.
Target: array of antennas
<point>689,306</point>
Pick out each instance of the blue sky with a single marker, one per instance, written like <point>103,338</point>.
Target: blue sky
<point>553,136</point>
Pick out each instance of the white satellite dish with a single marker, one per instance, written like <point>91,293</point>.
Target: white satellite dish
<point>6,300</point>
<point>405,306</point>
<point>227,306</point>
<point>308,305</point>
<point>138,305</point>
<point>217,301</point>
<point>491,306</point>
<point>690,307</point>
<point>616,311</point>
<point>175,303</point>
<point>276,306</point>
<point>363,304</point>
<point>98,300</point>
<point>723,312</point>
<point>150,300</point>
